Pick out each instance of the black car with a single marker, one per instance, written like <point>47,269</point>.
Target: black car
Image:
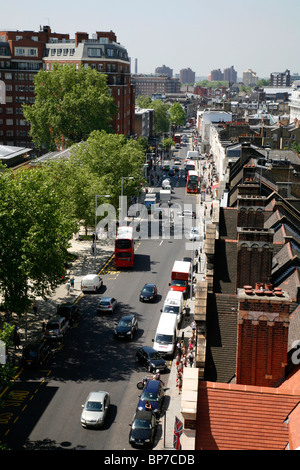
<point>154,394</point>
<point>70,311</point>
<point>151,359</point>
<point>35,353</point>
<point>143,429</point>
<point>148,293</point>
<point>126,327</point>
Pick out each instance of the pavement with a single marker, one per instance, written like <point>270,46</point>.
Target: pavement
<point>85,263</point>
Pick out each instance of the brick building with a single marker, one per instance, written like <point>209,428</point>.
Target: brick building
<point>24,53</point>
<point>148,85</point>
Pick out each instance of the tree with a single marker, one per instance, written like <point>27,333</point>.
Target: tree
<point>178,115</point>
<point>167,144</point>
<point>36,226</point>
<point>161,117</point>
<point>69,105</point>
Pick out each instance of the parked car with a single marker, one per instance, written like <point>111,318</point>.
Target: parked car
<point>153,393</point>
<point>56,328</point>
<point>143,429</point>
<point>107,304</point>
<point>35,353</point>
<point>187,213</point>
<point>194,234</point>
<point>151,359</point>
<point>95,409</point>
<point>91,283</point>
<point>171,172</point>
<point>126,327</point>
<point>68,310</point>
<point>148,293</point>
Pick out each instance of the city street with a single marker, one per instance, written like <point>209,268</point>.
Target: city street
<point>46,404</point>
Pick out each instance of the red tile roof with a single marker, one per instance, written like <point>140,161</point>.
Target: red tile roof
<point>243,417</point>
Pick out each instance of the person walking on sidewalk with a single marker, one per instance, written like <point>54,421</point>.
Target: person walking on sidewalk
<point>179,382</point>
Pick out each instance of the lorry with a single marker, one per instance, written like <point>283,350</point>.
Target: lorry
<point>181,275</point>
<point>192,155</point>
<point>150,201</point>
<point>165,196</point>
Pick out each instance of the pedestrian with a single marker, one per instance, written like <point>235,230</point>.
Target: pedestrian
<point>178,346</point>
<point>187,313</point>
<point>148,406</point>
<point>34,307</point>
<point>191,358</point>
<point>193,326</point>
<point>68,285</point>
<point>72,283</point>
<point>16,338</point>
<point>179,382</point>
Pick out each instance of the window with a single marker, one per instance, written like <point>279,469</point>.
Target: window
<point>94,52</point>
<point>66,51</point>
<point>53,52</point>
<point>110,52</point>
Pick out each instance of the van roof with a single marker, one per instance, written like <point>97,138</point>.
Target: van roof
<point>174,294</point>
<point>167,322</point>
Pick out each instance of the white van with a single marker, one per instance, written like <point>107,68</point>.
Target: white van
<point>166,335</point>
<point>91,283</point>
<point>174,304</point>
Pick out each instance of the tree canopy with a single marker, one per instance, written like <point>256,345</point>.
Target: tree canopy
<point>178,114</point>
<point>69,104</point>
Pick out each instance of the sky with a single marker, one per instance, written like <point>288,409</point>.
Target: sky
<point>262,35</point>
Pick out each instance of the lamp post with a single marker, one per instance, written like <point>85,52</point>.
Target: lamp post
<point>123,178</point>
<point>94,246</point>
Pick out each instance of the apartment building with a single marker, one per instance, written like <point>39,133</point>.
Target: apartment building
<point>187,76</point>
<point>21,57</point>
<point>280,78</point>
<point>148,85</point>
<point>24,53</point>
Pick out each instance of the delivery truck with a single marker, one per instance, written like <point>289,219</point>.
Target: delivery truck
<point>181,275</point>
<point>165,196</point>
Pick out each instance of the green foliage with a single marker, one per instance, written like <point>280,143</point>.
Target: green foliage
<point>36,227</point>
<point>167,143</point>
<point>69,105</point>
<point>215,84</point>
<point>178,115</point>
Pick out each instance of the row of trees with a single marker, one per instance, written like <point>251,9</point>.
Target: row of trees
<point>165,116</point>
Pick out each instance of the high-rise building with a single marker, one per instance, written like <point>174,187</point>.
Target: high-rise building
<point>230,75</point>
<point>24,53</point>
<point>164,70</point>
<point>187,76</point>
<point>249,78</point>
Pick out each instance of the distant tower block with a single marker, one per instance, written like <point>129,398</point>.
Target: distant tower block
<point>136,66</point>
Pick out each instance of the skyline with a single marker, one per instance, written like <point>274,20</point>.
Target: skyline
<point>263,36</point>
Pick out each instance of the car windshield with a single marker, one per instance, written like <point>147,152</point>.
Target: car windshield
<point>125,323</point>
<point>148,289</point>
<point>178,283</point>
<point>94,406</point>
<point>141,424</point>
<point>164,339</point>
<point>171,309</point>
<point>52,326</point>
<point>154,355</point>
<point>151,396</point>
<point>105,303</point>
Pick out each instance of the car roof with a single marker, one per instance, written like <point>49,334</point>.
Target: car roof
<point>150,284</point>
<point>97,396</point>
<point>148,349</point>
<point>152,385</point>
<point>143,414</point>
<point>127,317</point>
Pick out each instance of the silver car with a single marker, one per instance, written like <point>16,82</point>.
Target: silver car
<point>95,409</point>
<point>107,304</point>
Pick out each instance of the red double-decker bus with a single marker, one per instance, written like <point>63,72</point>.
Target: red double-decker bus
<point>189,165</point>
<point>124,247</point>
<point>192,184</point>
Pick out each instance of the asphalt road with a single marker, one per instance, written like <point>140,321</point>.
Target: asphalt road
<point>49,400</point>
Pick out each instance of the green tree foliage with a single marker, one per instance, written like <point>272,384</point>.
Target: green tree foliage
<point>178,115</point>
<point>69,105</point>
<point>36,226</point>
<point>161,113</point>
<point>167,143</point>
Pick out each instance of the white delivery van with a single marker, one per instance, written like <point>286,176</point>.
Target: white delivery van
<point>91,283</point>
<point>174,304</point>
<point>166,335</point>
<point>192,155</point>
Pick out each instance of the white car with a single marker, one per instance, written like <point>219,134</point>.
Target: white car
<point>95,409</point>
<point>177,162</point>
<point>194,234</point>
<point>187,213</point>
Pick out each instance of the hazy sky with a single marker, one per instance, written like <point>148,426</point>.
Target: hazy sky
<point>263,35</point>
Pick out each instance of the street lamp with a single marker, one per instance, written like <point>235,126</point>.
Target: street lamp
<point>94,246</point>
<point>123,178</point>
